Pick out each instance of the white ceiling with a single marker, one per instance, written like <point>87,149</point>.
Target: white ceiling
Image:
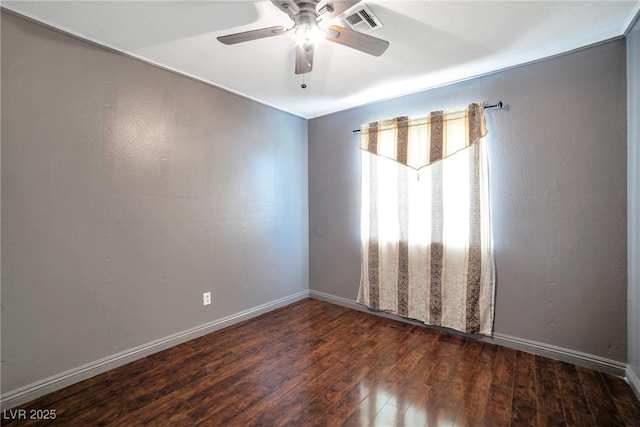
<point>431,43</point>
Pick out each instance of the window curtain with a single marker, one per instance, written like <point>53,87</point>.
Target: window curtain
<point>426,234</point>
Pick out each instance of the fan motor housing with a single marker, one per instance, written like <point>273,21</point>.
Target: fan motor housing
<point>307,14</point>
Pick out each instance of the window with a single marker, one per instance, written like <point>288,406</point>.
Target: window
<point>426,238</point>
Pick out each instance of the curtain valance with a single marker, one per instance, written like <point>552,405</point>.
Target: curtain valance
<point>417,143</point>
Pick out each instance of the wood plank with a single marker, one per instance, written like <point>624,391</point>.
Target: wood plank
<point>143,365</point>
<point>392,377</point>
<point>389,416</point>
<point>548,401</point>
<point>316,364</point>
<point>524,404</point>
<point>600,402</point>
<point>471,412</point>
<point>158,374</point>
<point>498,409</point>
<point>624,398</point>
<point>576,407</point>
<point>211,377</point>
<point>366,412</point>
<point>504,371</point>
<point>425,400</point>
<point>316,385</point>
<point>453,389</point>
<point>392,347</point>
<point>413,417</point>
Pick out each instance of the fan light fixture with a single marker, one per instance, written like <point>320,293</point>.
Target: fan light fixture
<point>305,18</point>
<point>308,33</point>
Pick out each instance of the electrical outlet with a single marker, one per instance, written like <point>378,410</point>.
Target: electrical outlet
<point>206,298</point>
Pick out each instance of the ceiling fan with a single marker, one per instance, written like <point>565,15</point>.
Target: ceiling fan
<point>306,15</point>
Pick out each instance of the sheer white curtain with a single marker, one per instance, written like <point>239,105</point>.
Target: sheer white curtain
<point>426,234</point>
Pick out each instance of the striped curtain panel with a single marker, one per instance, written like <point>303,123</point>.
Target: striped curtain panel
<point>426,235</point>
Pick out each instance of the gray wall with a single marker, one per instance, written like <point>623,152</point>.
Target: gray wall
<point>633,165</point>
<point>558,187</point>
<point>127,191</point>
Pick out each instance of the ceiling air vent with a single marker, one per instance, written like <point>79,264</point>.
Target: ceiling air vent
<point>362,19</point>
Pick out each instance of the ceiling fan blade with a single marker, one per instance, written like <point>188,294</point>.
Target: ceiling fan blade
<point>362,42</point>
<point>252,35</point>
<point>304,58</point>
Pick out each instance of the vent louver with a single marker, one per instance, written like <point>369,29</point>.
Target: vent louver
<point>362,19</point>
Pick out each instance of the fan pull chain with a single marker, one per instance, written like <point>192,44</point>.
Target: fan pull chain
<point>303,85</point>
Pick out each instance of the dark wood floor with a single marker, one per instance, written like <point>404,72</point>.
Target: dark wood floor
<point>317,364</point>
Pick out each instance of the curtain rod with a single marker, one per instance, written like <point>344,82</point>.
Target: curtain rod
<point>498,106</point>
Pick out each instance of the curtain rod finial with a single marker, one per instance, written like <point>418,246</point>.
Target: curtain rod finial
<point>498,105</point>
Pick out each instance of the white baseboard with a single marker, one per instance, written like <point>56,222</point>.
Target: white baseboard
<point>32,391</point>
<point>633,380</point>
<point>554,352</point>
<point>575,357</point>
<point>345,302</point>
